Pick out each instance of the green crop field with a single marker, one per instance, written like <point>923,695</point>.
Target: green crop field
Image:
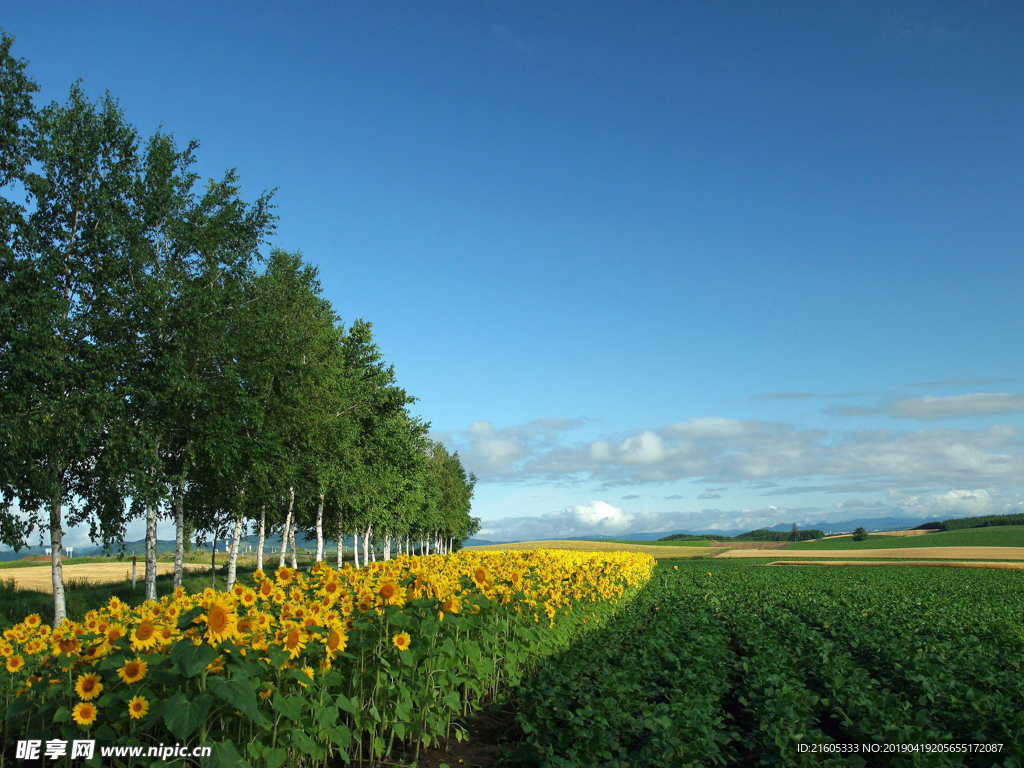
<point>995,536</point>
<point>728,664</point>
<point>657,543</point>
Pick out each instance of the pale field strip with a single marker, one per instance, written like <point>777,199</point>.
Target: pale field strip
<point>912,532</point>
<point>923,564</point>
<point>38,578</point>
<point>916,553</point>
<point>597,546</point>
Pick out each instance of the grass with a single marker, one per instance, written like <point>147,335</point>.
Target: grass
<point>993,536</point>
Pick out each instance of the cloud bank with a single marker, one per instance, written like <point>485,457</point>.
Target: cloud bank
<point>599,518</point>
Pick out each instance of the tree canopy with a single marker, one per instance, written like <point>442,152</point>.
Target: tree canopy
<point>161,359</point>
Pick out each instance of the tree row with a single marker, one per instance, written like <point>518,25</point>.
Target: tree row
<point>158,360</point>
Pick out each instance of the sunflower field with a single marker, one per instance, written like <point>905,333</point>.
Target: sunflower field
<point>334,664</point>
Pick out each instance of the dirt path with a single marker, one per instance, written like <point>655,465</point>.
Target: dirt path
<point>908,553</point>
<point>38,578</point>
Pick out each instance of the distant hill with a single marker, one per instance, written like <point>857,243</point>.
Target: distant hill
<point>474,542</point>
<point>984,521</point>
<point>759,535</point>
<point>845,526</point>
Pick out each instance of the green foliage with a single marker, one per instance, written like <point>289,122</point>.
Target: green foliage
<point>982,521</point>
<point>190,382</point>
<point>860,534</point>
<point>742,665</point>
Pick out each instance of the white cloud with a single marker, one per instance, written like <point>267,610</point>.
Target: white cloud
<point>932,408</point>
<point>495,454</point>
<point>598,518</point>
<point>772,455</point>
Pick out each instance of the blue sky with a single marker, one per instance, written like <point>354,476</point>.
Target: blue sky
<point>646,266</point>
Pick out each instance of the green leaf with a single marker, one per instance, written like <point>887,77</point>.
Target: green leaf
<point>340,735</point>
<point>239,693</point>
<point>451,699</point>
<point>345,704</point>
<point>224,755</point>
<point>274,756</point>
<point>326,716</point>
<point>306,745</point>
<point>183,715</point>
<point>277,655</point>
<point>191,659</point>
<point>290,707</point>
<point>185,619</point>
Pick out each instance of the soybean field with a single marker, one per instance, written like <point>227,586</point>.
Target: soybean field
<point>720,663</point>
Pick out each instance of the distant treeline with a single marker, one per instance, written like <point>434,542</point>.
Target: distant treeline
<point>761,534</point>
<point>959,523</point>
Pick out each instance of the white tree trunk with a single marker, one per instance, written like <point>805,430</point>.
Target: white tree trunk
<point>150,551</point>
<point>291,543</point>
<point>287,525</point>
<point>179,532</point>
<point>56,569</point>
<point>262,537</point>
<point>320,530</point>
<point>366,546</point>
<point>387,547</point>
<point>236,540</point>
<point>355,548</point>
<point>341,544</point>
<point>213,563</point>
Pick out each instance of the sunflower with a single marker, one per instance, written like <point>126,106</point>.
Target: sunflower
<point>112,634</point>
<point>66,646</point>
<point>133,671</point>
<point>138,706</point>
<point>451,605</point>
<point>32,621</point>
<point>221,622</point>
<point>402,641</point>
<point>266,693</point>
<point>267,588</point>
<point>390,594</point>
<point>88,686</point>
<point>331,588</point>
<point>480,575</point>
<point>294,642</point>
<point>15,663</point>
<point>308,671</point>
<point>84,713</point>
<point>284,575</point>
<point>143,637</point>
<point>336,642</point>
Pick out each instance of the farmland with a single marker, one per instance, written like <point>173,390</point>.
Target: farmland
<point>658,550</point>
<point>326,665</point>
<point>719,663</point>
<point>997,536</point>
